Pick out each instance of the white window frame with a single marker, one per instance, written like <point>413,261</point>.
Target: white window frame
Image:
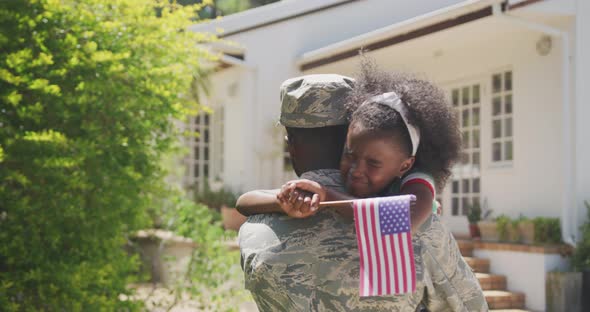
<point>218,143</point>
<point>199,157</point>
<point>502,113</point>
<point>465,184</point>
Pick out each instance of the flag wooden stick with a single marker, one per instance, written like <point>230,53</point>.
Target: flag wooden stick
<point>345,203</point>
<point>337,203</point>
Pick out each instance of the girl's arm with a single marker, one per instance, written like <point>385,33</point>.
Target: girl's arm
<point>423,206</point>
<point>320,194</point>
<point>259,201</point>
<point>295,203</point>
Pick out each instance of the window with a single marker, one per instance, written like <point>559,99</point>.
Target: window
<point>219,141</point>
<point>502,118</point>
<point>465,193</point>
<point>199,158</point>
<point>465,183</point>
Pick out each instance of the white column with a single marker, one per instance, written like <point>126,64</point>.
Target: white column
<point>582,107</point>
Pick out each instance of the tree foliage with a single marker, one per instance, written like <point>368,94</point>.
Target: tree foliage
<point>215,8</point>
<point>88,92</point>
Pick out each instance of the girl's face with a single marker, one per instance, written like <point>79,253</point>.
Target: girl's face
<point>372,161</point>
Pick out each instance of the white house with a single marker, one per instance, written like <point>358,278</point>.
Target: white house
<point>514,71</point>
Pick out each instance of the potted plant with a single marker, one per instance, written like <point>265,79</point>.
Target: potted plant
<point>540,230</point>
<point>507,229</point>
<point>547,230</point>
<point>487,226</point>
<point>231,218</point>
<point>164,250</point>
<point>223,200</point>
<point>473,217</point>
<point>165,256</point>
<point>567,291</point>
<point>526,229</point>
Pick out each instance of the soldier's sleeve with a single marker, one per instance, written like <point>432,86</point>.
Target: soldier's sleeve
<point>278,253</point>
<point>258,238</point>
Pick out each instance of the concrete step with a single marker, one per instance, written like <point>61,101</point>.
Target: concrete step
<point>466,248</point>
<point>479,265</point>
<point>499,299</point>
<point>509,310</point>
<point>491,281</point>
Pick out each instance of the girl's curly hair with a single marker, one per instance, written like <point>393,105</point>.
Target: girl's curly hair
<point>428,110</point>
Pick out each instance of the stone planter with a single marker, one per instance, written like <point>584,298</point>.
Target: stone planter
<point>512,234</point>
<point>527,232</point>
<point>231,218</point>
<point>165,256</point>
<point>489,231</point>
<point>563,291</point>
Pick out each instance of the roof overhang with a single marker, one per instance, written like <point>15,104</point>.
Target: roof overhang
<point>265,16</point>
<point>448,17</point>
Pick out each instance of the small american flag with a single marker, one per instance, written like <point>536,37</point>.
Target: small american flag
<point>383,232</point>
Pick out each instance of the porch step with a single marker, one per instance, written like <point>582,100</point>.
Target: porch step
<point>499,299</point>
<point>479,265</point>
<point>466,248</point>
<point>491,281</point>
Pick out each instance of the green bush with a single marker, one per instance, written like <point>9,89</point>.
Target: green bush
<point>581,258</point>
<point>502,223</point>
<point>216,199</point>
<point>88,92</point>
<point>547,230</point>
<point>214,279</point>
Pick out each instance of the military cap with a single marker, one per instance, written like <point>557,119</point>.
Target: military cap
<point>314,101</point>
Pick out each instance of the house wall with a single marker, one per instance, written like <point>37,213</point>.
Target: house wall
<point>582,108</point>
<point>465,53</point>
<point>531,185</point>
<point>526,276</point>
<point>228,91</point>
<point>272,52</point>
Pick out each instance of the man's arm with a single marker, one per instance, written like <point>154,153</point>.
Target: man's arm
<point>259,201</point>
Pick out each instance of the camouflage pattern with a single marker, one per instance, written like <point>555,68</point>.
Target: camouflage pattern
<point>454,285</point>
<point>314,101</point>
<point>312,264</point>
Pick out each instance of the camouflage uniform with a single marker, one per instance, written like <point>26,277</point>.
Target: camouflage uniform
<point>312,264</point>
<point>454,286</point>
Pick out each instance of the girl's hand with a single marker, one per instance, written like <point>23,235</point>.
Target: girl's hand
<point>301,198</point>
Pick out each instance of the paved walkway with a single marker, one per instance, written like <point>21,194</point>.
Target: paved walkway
<point>159,298</point>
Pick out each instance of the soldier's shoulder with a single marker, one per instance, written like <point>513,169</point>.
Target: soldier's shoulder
<point>327,177</point>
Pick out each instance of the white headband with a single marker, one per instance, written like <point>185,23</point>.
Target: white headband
<point>391,99</point>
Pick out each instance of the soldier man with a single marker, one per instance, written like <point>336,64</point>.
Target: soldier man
<point>312,264</point>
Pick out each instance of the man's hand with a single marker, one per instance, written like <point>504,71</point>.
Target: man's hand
<point>301,198</point>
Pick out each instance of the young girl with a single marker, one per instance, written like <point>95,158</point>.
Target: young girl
<point>402,139</point>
